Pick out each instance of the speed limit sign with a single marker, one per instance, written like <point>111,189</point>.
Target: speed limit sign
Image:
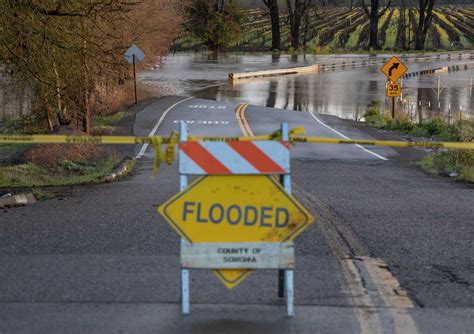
<point>393,89</point>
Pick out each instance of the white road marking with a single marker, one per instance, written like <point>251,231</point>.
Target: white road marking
<point>192,121</point>
<point>345,137</point>
<point>157,125</point>
<point>206,106</point>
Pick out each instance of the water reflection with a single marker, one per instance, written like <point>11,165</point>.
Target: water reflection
<point>344,93</point>
<point>332,93</point>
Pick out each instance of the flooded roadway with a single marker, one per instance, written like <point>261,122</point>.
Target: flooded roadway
<point>341,92</point>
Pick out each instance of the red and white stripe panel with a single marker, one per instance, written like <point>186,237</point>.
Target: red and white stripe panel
<point>238,157</point>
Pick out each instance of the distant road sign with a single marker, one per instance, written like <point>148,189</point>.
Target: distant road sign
<point>134,50</point>
<point>394,69</point>
<point>393,89</point>
<point>233,209</point>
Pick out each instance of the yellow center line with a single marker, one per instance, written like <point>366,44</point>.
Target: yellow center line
<point>244,120</point>
<point>239,120</point>
<point>243,124</point>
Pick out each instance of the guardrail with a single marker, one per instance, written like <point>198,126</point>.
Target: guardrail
<point>357,63</point>
<point>282,71</point>
<point>444,69</point>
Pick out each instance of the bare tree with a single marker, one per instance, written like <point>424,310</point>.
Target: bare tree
<point>424,21</point>
<point>297,9</point>
<point>374,14</point>
<point>404,40</point>
<point>275,19</point>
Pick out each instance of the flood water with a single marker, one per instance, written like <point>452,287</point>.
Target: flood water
<point>341,91</point>
<point>344,92</point>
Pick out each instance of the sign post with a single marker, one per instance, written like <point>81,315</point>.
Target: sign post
<point>393,70</point>
<point>393,90</point>
<point>236,217</point>
<point>134,56</point>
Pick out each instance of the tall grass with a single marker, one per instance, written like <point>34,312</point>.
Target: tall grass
<point>460,162</point>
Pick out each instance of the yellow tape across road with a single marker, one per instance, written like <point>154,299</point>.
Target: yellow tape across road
<point>132,140</point>
<point>63,139</point>
<point>392,143</point>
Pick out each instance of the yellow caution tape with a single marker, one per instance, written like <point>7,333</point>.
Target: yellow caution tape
<point>429,144</point>
<point>296,131</point>
<point>174,139</point>
<point>228,139</point>
<point>156,144</point>
<point>64,139</point>
<point>168,155</point>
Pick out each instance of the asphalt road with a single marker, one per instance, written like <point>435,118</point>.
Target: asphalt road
<point>392,250</point>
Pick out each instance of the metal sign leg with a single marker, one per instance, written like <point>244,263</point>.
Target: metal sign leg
<point>183,183</point>
<point>185,290</point>
<point>288,278</point>
<point>289,290</point>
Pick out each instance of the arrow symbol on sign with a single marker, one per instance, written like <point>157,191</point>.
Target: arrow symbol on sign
<point>392,68</point>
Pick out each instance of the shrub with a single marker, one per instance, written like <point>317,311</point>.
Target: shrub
<point>373,115</point>
<point>433,127</point>
<point>401,123</point>
<point>54,154</point>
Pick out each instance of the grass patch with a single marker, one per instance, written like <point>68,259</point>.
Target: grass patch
<point>436,128</point>
<point>42,195</point>
<point>104,125</point>
<point>354,37</point>
<point>65,173</point>
<point>108,120</point>
<point>460,162</point>
<point>392,30</point>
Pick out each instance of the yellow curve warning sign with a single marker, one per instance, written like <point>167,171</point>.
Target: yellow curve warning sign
<point>232,209</point>
<point>394,69</point>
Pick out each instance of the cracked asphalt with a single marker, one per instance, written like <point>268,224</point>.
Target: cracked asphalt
<point>101,260</point>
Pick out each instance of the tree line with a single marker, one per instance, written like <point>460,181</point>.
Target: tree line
<point>218,23</point>
<point>69,53</point>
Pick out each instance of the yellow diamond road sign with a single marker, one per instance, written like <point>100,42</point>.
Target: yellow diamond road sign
<point>227,208</point>
<point>394,69</point>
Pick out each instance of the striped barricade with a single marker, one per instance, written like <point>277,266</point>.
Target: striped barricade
<point>237,157</point>
<point>246,160</point>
